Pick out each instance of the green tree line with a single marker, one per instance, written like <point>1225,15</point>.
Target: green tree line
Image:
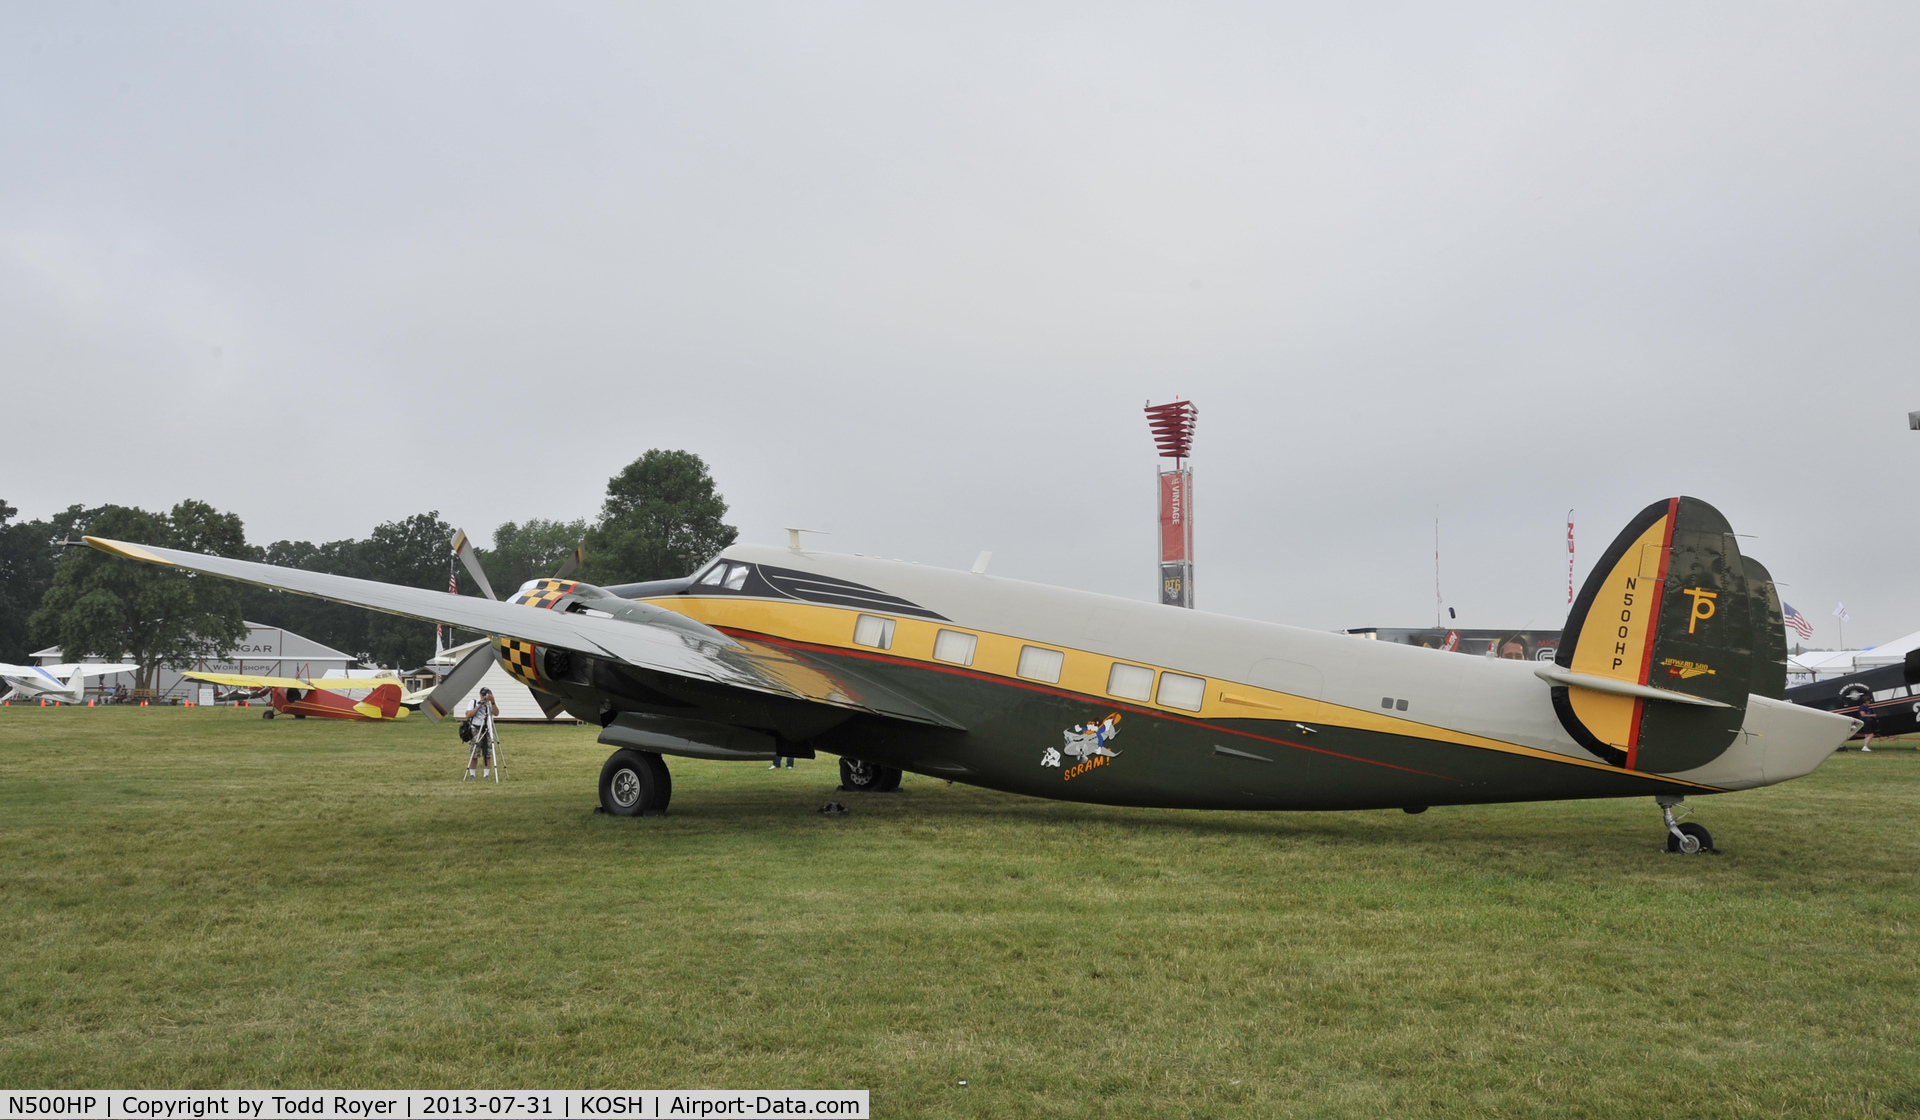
<point>661,518</point>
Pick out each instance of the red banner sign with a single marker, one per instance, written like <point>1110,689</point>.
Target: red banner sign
<point>1176,516</point>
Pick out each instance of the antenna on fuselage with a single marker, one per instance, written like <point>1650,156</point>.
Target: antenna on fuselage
<point>793,536</point>
<point>1439,604</point>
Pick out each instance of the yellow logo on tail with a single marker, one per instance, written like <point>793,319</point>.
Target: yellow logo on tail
<point>1703,607</point>
<point>1686,670</point>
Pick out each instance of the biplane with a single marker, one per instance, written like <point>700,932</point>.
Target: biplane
<point>1667,683</point>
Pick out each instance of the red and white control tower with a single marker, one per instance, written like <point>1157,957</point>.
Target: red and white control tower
<point>1172,426</point>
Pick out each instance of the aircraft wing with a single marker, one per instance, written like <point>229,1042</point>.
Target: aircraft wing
<point>654,638</point>
<point>330,684</point>
<point>63,673</point>
<point>34,671</point>
<point>33,679</point>
<point>102,670</point>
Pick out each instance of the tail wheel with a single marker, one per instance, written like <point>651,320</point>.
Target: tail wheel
<point>861,776</point>
<point>635,784</point>
<point>1702,840</point>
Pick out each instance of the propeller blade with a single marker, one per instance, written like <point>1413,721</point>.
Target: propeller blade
<point>573,561</point>
<point>550,704</point>
<point>458,683</point>
<point>471,559</point>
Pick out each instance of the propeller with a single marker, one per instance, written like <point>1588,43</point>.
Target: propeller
<point>481,655</point>
<point>460,681</point>
<point>464,548</point>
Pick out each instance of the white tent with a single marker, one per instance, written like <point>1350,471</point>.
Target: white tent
<point>1825,664</point>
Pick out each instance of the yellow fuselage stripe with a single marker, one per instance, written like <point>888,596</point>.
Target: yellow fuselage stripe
<point>1081,671</point>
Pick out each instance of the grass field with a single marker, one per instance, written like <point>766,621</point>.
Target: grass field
<point>200,898</point>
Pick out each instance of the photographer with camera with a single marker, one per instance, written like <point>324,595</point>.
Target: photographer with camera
<point>477,728</point>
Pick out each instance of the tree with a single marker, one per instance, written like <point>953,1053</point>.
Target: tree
<point>29,553</point>
<point>26,568</point>
<point>104,605</point>
<point>530,550</point>
<point>413,553</point>
<point>661,519</point>
<point>331,624</point>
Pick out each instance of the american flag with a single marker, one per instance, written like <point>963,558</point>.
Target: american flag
<point>453,588</point>
<point>1798,621</point>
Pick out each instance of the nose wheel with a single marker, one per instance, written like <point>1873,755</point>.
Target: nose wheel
<point>1683,837</point>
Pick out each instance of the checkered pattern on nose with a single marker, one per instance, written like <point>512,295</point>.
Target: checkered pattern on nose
<point>518,657</point>
<point>546,593</point>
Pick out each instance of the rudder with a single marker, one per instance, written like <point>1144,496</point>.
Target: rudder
<point>1769,633</point>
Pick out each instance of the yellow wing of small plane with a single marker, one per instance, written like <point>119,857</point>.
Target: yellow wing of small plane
<point>331,684</point>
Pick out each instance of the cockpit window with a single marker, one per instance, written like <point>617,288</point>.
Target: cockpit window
<point>714,575</point>
<point>737,578</point>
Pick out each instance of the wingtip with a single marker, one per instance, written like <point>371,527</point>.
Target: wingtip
<point>129,551</point>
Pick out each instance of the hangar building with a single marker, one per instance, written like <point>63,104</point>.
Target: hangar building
<point>266,651</point>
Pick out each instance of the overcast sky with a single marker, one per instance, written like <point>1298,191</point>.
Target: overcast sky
<point>908,274</point>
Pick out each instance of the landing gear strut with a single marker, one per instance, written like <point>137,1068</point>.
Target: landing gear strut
<point>635,784</point>
<point>1687,839</point>
<point>866,777</point>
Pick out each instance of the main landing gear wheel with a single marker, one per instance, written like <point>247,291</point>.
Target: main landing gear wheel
<point>1687,839</point>
<point>860,776</point>
<point>635,784</point>
<point>1692,840</point>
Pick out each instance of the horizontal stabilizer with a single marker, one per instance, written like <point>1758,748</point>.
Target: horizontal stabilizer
<point>1621,688</point>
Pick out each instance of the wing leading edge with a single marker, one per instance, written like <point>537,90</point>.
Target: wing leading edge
<point>647,637</point>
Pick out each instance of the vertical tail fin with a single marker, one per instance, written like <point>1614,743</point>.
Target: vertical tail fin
<point>1769,633</point>
<point>1668,606</point>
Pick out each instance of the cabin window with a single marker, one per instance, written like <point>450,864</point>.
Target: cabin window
<point>1889,693</point>
<point>1037,664</point>
<point>713,576</point>
<point>872,630</point>
<point>954,646</point>
<point>737,578</point>
<point>1132,682</point>
<point>1177,691</point>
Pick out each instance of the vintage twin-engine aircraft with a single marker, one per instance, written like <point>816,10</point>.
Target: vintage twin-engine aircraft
<point>1667,683</point>
<point>323,698</point>
<point>65,683</point>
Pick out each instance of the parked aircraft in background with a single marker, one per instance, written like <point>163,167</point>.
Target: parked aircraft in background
<point>1667,682</point>
<point>1891,693</point>
<point>65,683</point>
<point>322,698</point>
